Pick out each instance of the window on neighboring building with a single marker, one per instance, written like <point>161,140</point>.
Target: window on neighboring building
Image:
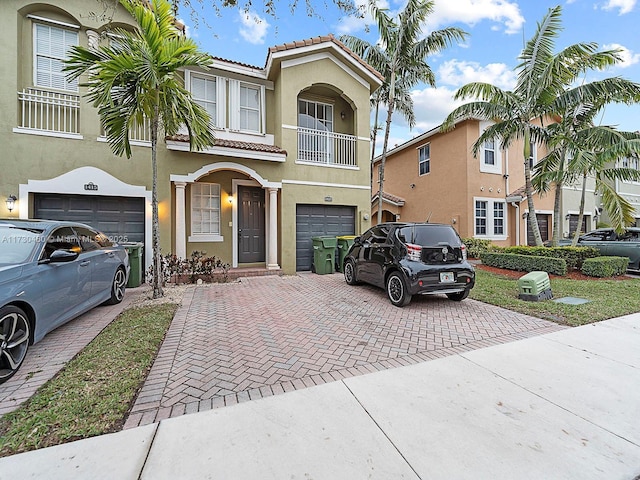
<point>203,91</point>
<point>51,45</point>
<point>424,159</point>
<point>205,209</point>
<point>489,215</point>
<point>630,162</point>
<point>533,158</point>
<point>490,152</point>
<point>250,107</point>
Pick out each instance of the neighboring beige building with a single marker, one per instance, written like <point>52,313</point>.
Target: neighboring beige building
<point>434,177</point>
<point>291,159</point>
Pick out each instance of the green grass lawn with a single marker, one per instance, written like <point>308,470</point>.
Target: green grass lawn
<point>93,393</point>
<point>607,298</point>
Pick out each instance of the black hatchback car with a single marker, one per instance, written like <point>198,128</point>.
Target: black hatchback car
<point>408,259</point>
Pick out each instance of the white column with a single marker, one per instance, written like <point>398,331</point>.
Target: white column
<point>181,223</point>
<point>272,258</point>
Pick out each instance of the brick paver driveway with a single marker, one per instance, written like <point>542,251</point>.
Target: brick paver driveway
<point>234,342</point>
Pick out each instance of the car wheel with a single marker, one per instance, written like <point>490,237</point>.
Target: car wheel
<point>397,290</point>
<point>117,287</point>
<point>15,334</point>
<point>458,296</point>
<point>350,273</point>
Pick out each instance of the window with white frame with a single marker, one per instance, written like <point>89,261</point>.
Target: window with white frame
<point>489,218</point>
<point>203,91</point>
<point>630,162</point>
<point>424,159</point>
<point>51,45</point>
<point>205,209</point>
<point>315,115</point>
<point>250,107</point>
<point>533,157</point>
<point>490,156</point>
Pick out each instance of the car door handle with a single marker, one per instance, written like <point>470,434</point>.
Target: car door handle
<point>85,263</point>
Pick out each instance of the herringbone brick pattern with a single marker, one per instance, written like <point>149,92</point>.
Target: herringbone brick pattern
<point>234,342</point>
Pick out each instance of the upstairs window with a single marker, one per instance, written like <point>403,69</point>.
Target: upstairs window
<point>250,108</point>
<point>490,155</point>
<point>315,115</point>
<point>424,159</point>
<point>203,91</point>
<point>490,152</point>
<point>51,45</point>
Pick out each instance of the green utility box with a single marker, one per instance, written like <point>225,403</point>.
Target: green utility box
<point>534,286</point>
<point>324,251</point>
<point>344,244</point>
<point>135,261</point>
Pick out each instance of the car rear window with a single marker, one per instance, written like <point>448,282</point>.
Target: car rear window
<point>428,235</point>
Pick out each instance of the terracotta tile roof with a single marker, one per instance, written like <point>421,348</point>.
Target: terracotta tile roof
<point>256,147</point>
<point>520,191</point>
<point>322,39</point>
<point>389,197</point>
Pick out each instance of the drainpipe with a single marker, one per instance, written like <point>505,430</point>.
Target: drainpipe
<point>515,203</point>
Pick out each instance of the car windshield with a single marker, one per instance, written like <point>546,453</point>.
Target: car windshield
<point>17,244</point>
<point>428,235</point>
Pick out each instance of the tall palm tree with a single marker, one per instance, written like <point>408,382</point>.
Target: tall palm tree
<point>137,77</point>
<point>400,56</point>
<point>543,78</point>
<point>575,123</point>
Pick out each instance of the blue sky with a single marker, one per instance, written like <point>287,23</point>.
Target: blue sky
<point>497,30</point>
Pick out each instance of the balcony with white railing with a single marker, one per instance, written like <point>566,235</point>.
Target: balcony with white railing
<point>321,147</point>
<point>43,112</point>
<point>139,133</point>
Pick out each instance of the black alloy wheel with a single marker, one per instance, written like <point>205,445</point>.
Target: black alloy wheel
<point>397,290</point>
<point>458,296</point>
<point>15,335</point>
<point>350,272</point>
<point>117,287</point>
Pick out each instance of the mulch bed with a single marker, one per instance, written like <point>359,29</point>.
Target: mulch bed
<point>574,275</point>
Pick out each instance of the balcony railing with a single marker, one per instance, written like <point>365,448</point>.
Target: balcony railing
<point>139,133</point>
<point>326,148</point>
<point>49,111</point>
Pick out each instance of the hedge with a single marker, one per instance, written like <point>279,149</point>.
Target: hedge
<point>477,246</point>
<point>574,256</point>
<point>525,263</point>
<point>605,266</point>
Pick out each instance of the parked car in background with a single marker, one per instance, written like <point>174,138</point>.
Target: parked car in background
<point>50,273</point>
<point>610,243</point>
<point>407,259</point>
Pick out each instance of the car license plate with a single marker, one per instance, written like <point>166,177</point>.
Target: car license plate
<point>447,277</point>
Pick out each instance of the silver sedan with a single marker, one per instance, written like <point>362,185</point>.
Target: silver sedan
<point>50,273</point>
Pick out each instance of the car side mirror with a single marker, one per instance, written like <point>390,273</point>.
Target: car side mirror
<point>61,256</point>
<point>357,241</point>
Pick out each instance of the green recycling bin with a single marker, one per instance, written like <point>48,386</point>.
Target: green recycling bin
<point>324,251</point>
<point>134,250</point>
<point>344,244</point>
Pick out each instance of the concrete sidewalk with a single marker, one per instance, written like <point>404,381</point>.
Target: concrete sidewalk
<point>565,405</point>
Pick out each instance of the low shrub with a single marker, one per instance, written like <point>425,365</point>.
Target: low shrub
<point>574,256</point>
<point>477,246</point>
<point>525,263</point>
<point>605,266</point>
<point>197,266</point>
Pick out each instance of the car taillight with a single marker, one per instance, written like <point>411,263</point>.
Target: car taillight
<point>414,252</point>
<point>463,249</point>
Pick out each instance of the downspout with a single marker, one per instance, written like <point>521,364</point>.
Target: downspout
<point>506,189</point>
<point>517,207</point>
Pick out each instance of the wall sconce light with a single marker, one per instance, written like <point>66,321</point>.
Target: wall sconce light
<point>11,202</point>
<point>342,115</point>
<point>230,199</point>
<point>567,216</point>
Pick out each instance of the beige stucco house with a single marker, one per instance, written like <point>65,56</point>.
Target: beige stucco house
<point>435,177</point>
<point>290,161</point>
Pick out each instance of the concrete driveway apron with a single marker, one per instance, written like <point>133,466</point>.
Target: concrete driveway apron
<point>263,336</point>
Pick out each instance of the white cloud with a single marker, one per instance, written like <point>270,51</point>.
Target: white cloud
<point>458,73</point>
<point>471,12</point>
<point>254,28</point>
<point>623,6</point>
<point>628,57</point>
<point>351,24</point>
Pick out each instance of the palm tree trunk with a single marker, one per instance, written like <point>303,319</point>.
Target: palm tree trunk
<point>532,220</point>
<point>390,104</point>
<point>155,242</point>
<point>576,234</point>
<point>374,135</point>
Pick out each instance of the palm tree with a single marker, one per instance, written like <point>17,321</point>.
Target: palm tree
<point>400,56</point>
<point>137,77</point>
<point>540,95</point>
<point>573,119</point>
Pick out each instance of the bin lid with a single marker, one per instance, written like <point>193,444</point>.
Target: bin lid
<point>346,237</point>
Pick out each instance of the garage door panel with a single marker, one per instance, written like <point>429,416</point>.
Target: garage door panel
<point>122,218</point>
<point>319,220</point>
